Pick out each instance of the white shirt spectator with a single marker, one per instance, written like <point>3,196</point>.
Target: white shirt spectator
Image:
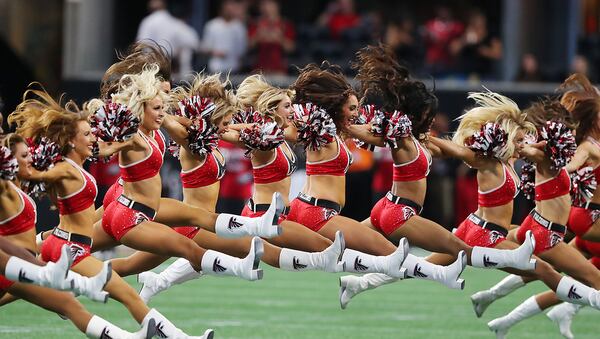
<point>226,42</point>
<point>180,39</point>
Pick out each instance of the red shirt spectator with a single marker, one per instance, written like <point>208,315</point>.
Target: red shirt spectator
<point>382,178</point>
<point>237,182</point>
<point>465,194</point>
<point>272,37</point>
<point>105,173</point>
<point>339,16</point>
<point>440,31</point>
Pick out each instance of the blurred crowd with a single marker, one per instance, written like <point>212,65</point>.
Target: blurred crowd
<point>253,36</point>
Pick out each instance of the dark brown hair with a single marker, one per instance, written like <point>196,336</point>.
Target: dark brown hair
<point>548,109</point>
<point>387,84</point>
<point>582,100</point>
<point>138,55</point>
<point>325,86</point>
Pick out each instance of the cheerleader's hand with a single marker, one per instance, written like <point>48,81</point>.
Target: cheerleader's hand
<point>534,152</point>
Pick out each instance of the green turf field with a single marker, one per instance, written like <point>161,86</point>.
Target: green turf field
<point>305,305</point>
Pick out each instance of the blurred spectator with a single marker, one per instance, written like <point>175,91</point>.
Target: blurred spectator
<point>272,37</point>
<point>382,176</point>
<point>225,39</point>
<point>581,65</point>
<point>465,193</point>
<point>358,183</point>
<point>438,205</point>
<point>477,49</point>
<point>339,16</point>
<point>179,38</point>
<point>236,185</point>
<point>439,32</point>
<point>529,71</point>
<point>105,174</point>
<point>401,37</point>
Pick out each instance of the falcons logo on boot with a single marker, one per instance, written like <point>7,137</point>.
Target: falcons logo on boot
<point>297,265</point>
<point>159,330</point>
<point>417,272</point>
<point>105,334</point>
<point>23,278</point>
<point>487,262</point>
<point>573,293</point>
<point>218,268</point>
<point>358,266</point>
<point>234,224</point>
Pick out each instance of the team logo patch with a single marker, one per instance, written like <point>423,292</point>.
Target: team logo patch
<point>408,212</point>
<point>140,218</point>
<point>555,238</point>
<point>494,236</point>
<point>595,214</point>
<point>328,213</point>
<point>573,293</point>
<point>76,251</point>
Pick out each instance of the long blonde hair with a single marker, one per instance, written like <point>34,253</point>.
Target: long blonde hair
<point>493,107</point>
<point>39,115</point>
<point>212,87</point>
<point>257,93</point>
<point>135,90</point>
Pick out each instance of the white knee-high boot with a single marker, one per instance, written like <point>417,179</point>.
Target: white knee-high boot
<point>99,328</point>
<point>572,291</point>
<point>329,260</point>
<point>563,315</point>
<point>419,268</point>
<point>482,299</point>
<point>519,258</point>
<point>58,276</point>
<point>213,263</point>
<point>358,262</point>
<point>527,309</point>
<point>266,226</point>
<point>166,329</point>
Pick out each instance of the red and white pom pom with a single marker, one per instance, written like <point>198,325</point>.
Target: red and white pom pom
<point>174,149</point>
<point>397,125</point>
<point>202,137</point>
<point>560,146</point>
<point>527,184</point>
<point>8,164</point>
<point>489,141</point>
<point>114,122</point>
<point>249,116</point>
<point>96,154</point>
<point>44,154</point>
<point>583,185</point>
<point>196,107</point>
<point>315,127</point>
<point>262,136</point>
<point>365,114</point>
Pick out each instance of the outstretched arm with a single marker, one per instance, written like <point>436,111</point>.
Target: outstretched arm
<point>363,133</point>
<point>579,159</point>
<point>447,148</point>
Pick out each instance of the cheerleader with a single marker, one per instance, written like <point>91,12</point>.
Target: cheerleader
<point>64,135</point>
<point>407,111</point>
<point>208,102</point>
<point>581,100</point>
